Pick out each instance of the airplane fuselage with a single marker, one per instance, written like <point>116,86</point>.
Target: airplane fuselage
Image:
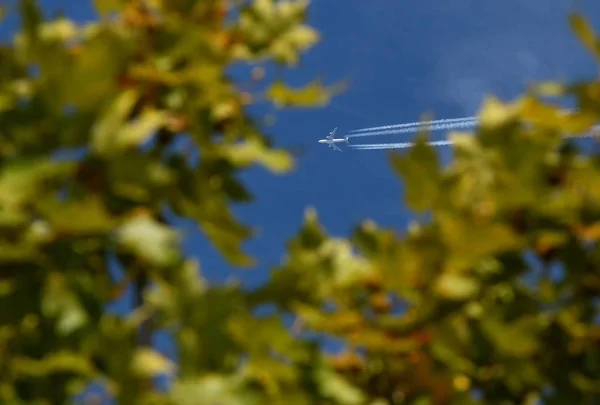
<point>331,140</point>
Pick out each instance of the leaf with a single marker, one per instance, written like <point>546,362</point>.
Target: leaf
<point>55,363</point>
<point>421,174</point>
<point>312,95</point>
<point>104,7</point>
<point>585,33</point>
<point>456,287</point>
<point>102,58</point>
<point>60,216</point>
<point>149,363</point>
<point>335,387</point>
<point>140,129</point>
<point>252,151</point>
<point>59,30</point>
<point>496,114</point>
<point>212,389</point>
<point>519,338</point>
<point>60,302</point>
<point>154,243</point>
<point>31,19</point>
<point>105,130</point>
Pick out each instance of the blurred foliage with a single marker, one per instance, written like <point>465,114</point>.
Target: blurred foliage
<point>494,299</point>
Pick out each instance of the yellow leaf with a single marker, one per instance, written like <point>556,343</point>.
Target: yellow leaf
<point>456,287</point>
<point>104,7</point>
<point>494,113</point>
<point>140,130</point>
<point>303,36</point>
<point>150,363</point>
<point>250,152</point>
<point>58,30</point>
<point>585,34</point>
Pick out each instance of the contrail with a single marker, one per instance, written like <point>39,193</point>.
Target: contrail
<point>414,124</point>
<point>404,145</point>
<point>400,145</point>
<point>434,127</point>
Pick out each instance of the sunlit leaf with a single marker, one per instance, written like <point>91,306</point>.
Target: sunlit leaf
<point>150,363</point>
<point>151,241</point>
<point>456,287</point>
<point>420,173</point>
<point>213,389</point>
<point>313,94</point>
<point>104,135</point>
<point>251,152</point>
<point>494,113</point>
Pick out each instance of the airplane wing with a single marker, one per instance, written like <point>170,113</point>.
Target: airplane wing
<point>335,147</point>
<point>332,133</point>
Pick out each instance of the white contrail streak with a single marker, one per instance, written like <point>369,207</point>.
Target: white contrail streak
<point>414,124</point>
<point>404,145</point>
<point>400,145</point>
<point>434,127</point>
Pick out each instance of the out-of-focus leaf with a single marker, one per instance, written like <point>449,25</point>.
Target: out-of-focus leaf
<point>336,388</point>
<point>313,94</point>
<point>457,287</point>
<point>149,240</point>
<point>26,180</point>
<point>420,173</point>
<point>140,129</point>
<point>518,338</point>
<point>213,389</point>
<point>60,302</point>
<point>585,33</point>
<point>251,152</point>
<point>55,363</point>
<point>93,217</point>
<point>149,363</point>
<point>104,135</point>
<point>58,31</point>
<point>494,113</point>
<point>108,6</point>
<point>32,18</point>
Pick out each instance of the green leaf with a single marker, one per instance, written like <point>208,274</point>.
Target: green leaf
<point>60,216</point>
<point>32,18</point>
<point>116,136</point>
<point>421,174</point>
<point>154,243</point>
<point>337,388</point>
<point>60,302</point>
<point>105,130</point>
<point>519,338</point>
<point>211,390</point>
<point>55,363</point>
<point>102,59</point>
<point>149,363</point>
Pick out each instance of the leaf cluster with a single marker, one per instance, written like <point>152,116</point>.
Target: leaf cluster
<point>110,129</point>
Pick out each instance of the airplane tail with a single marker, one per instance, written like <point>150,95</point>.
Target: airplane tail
<point>346,139</point>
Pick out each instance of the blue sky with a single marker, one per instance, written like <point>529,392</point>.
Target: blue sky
<point>403,58</point>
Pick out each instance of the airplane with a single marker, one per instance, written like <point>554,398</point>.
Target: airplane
<point>331,141</point>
